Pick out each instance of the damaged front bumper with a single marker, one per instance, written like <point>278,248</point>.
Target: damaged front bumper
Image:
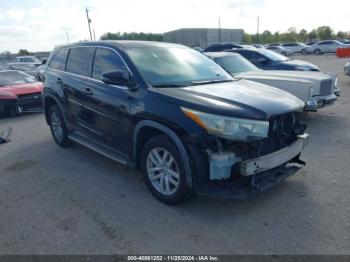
<point>321,101</point>
<point>255,175</point>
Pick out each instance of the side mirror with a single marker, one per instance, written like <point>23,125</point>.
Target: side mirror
<point>120,77</point>
<point>44,62</point>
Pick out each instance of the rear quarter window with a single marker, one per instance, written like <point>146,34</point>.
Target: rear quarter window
<point>59,60</point>
<point>80,60</point>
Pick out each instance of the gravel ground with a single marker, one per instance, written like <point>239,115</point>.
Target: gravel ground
<point>74,201</point>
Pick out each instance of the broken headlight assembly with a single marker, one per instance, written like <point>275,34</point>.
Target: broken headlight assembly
<point>238,129</point>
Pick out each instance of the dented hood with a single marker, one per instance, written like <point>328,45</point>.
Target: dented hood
<point>240,98</point>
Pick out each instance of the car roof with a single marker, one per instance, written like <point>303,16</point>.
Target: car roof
<point>21,63</point>
<point>220,54</point>
<point>25,56</point>
<point>12,71</point>
<point>122,44</point>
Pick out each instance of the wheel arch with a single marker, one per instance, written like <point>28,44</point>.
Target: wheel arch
<point>49,101</point>
<point>147,129</point>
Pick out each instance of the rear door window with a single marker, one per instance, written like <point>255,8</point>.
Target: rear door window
<point>59,60</point>
<point>80,60</point>
<point>105,60</point>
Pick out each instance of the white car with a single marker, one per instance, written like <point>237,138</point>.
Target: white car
<point>327,46</point>
<point>347,69</point>
<point>296,47</point>
<point>316,89</point>
<point>279,49</point>
<point>28,59</point>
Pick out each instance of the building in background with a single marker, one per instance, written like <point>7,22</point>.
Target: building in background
<point>203,37</point>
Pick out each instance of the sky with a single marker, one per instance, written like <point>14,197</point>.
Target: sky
<point>39,25</point>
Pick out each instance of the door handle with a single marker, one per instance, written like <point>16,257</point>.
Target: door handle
<point>88,92</point>
<point>59,81</point>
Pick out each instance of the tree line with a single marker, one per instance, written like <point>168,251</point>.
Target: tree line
<point>292,35</point>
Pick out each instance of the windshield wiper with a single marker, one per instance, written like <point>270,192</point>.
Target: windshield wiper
<point>196,83</point>
<point>169,85</point>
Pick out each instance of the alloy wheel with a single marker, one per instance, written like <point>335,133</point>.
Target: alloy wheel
<point>163,171</point>
<point>56,125</point>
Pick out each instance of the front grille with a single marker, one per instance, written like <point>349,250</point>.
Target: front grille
<point>326,87</point>
<point>30,101</point>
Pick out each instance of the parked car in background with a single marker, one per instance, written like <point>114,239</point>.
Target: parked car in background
<point>28,59</point>
<point>295,47</point>
<point>327,46</point>
<point>19,93</point>
<point>40,72</point>
<point>27,68</point>
<point>218,47</point>
<point>347,69</point>
<point>198,48</point>
<point>345,41</point>
<point>315,89</point>
<point>279,50</point>
<point>176,115</point>
<point>272,44</point>
<point>258,46</point>
<point>310,43</point>
<point>269,60</point>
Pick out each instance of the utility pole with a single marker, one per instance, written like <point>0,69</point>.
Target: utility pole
<point>89,22</point>
<point>220,30</point>
<point>94,35</point>
<point>67,37</point>
<point>257,32</point>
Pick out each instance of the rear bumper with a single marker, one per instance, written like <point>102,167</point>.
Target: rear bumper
<point>254,175</point>
<point>321,101</point>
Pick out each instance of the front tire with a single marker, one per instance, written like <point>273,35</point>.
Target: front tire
<point>58,127</point>
<point>163,170</point>
<point>304,52</point>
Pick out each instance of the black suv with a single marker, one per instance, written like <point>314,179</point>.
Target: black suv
<point>176,115</point>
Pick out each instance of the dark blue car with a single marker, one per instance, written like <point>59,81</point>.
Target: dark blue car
<point>269,60</point>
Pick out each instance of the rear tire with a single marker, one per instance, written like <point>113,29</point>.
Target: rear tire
<point>58,127</point>
<point>317,52</point>
<point>163,170</point>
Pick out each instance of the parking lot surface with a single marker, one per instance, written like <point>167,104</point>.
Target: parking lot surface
<point>74,201</point>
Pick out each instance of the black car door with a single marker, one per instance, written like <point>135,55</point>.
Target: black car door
<point>107,107</point>
<point>76,87</point>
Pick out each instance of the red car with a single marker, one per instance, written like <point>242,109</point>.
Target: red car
<point>19,93</point>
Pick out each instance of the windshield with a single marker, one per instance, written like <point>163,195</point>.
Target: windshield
<point>235,64</point>
<point>273,55</point>
<point>14,78</point>
<point>175,66</point>
<point>28,59</point>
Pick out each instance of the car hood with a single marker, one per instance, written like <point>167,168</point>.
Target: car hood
<point>240,98</point>
<point>23,89</point>
<point>300,63</point>
<point>310,76</point>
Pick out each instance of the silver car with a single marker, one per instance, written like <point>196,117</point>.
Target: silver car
<point>347,69</point>
<point>28,68</point>
<point>296,47</point>
<point>327,46</point>
<point>279,49</point>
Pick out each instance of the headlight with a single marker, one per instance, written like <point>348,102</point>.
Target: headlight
<point>336,81</point>
<point>229,127</point>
